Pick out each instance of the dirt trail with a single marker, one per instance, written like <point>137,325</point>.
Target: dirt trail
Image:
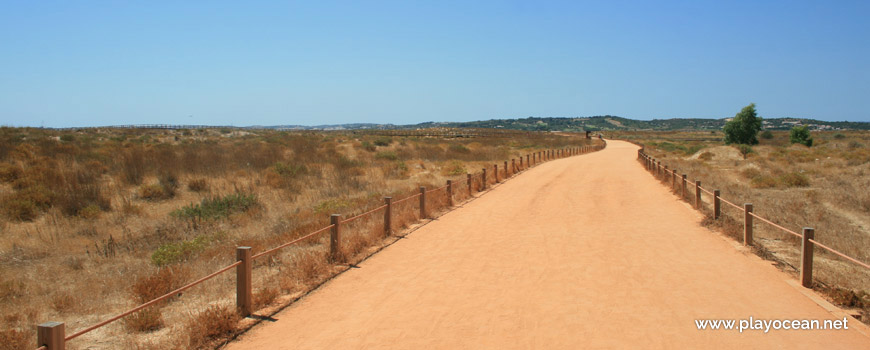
<point>583,252</point>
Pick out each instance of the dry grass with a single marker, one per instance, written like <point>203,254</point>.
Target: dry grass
<point>92,212</point>
<point>214,323</point>
<point>823,187</point>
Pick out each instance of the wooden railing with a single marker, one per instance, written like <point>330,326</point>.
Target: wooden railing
<point>807,236</point>
<point>52,335</point>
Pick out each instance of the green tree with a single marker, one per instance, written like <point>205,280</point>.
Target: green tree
<point>744,127</point>
<point>801,135</point>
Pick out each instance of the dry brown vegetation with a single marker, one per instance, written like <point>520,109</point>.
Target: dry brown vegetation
<point>824,187</point>
<point>97,221</point>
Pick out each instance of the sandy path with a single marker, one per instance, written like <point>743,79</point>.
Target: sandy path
<point>583,252</point>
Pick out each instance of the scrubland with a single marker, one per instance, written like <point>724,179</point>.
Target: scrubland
<point>823,187</point>
<point>97,221</point>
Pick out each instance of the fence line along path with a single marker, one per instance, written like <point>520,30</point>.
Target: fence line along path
<point>53,335</point>
<point>580,252</point>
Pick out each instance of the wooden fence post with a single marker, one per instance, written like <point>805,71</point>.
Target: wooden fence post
<point>483,186</point>
<point>335,238</point>
<point>507,173</point>
<point>747,224</point>
<point>468,183</point>
<point>422,202</point>
<point>674,179</point>
<point>528,163</point>
<point>450,193</point>
<point>665,173</point>
<point>807,257</point>
<point>388,216</point>
<point>51,335</point>
<point>244,292</point>
<point>698,195</point>
<point>684,186</point>
<point>717,205</point>
<point>495,172</point>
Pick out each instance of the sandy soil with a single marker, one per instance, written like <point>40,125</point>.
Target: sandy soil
<point>582,252</point>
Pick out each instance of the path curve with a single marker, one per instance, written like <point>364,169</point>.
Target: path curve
<point>581,252</point>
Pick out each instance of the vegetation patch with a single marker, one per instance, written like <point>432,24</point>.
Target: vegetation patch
<point>171,253</point>
<point>387,155</point>
<point>216,322</point>
<point>331,205</point>
<point>217,207</point>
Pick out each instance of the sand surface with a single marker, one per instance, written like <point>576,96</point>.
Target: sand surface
<point>582,252</point>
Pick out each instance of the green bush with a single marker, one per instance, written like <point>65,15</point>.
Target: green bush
<point>767,135</point>
<point>217,207</point>
<point>801,135</point>
<point>744,127</point>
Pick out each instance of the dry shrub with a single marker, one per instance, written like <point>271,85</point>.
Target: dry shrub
<point>355,243</point>
<point>794,179</point>
<point>750,173</point>
<point>133,165</point>
<point>74,263</point>
<point>157,284</point>
<point>198,185</point>
<point>80,189</point>
<point>166,188</point>
<point>216,322</point>
<point>151,192</point>
<point>9,172</point>
<point>265,296</point>
<point>13,339</point>
<point>306,269</point>
<point>706,156</point>
<point>763,181</point>
<point>63,302</point>
<point>148,319</point>
<point>12,289</point>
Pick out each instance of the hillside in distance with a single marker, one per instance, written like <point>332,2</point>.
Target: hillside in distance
<point>606,122</point>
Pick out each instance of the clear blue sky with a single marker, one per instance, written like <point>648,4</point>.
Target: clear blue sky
<point>76,63</point>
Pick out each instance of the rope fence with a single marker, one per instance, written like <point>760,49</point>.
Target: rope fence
<point>807,237</point>
<point>51,335</point>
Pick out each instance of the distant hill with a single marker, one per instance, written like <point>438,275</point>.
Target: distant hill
<point>606,122</point>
